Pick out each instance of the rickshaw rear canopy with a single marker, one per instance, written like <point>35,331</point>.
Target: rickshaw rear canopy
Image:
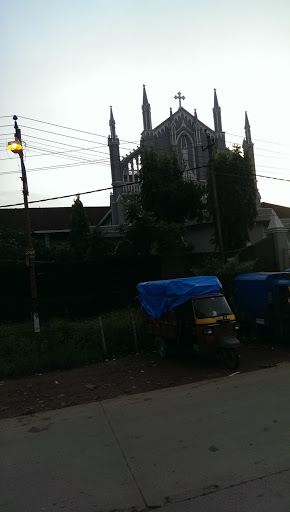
<point>159,297</point>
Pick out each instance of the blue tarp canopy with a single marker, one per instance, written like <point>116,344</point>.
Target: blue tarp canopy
<point>252,289</point>
<point>159,297</point>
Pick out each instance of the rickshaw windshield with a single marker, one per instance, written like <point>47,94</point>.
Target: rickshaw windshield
<point>209,307</point>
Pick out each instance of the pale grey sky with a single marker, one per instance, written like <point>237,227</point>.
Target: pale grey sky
<point>66,61</point>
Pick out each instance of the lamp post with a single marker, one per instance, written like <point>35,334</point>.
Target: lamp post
<point>16,147</point>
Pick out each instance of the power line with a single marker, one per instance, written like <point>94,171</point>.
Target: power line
<point>59,153</point>
<point>6,134</point>
<point>59,134</point>
<point>272,167</point>
<point>63,154</point>
<point>71,145</point>
<point>269,156</point>
<point>106,162</point>
<point>260,140</point>
<point>271,151</point>
<point>85,140</point>
<point>49,147</point>
<point>85,161</point>
<point>76,150</point>
<point>61,166</point>
<point>62,197</point>
<point>128,183</point>
<point>132,142</point>
<point>73,129</point>
<point>104,136</point>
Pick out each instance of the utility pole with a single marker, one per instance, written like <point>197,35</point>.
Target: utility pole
<point>209,147</point>
<point>16,147</point>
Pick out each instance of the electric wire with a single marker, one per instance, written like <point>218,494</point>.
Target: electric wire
<point>85,140</point>
<point>105,161</point>
<point>63,154</point>
<point>123,140</point>
<point>85,160</point>
<point>53,167</point>
<point>259,140</point>
<point>69,128</point>
<point>124,184</point>
<point>72,145</point>
<point>61,197</point>
<point>132,142</point>
<point>74,157</point>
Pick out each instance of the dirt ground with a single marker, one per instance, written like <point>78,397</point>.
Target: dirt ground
<point>132,374</point>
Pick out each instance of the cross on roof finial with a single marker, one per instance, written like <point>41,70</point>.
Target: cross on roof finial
<point>179,97</point>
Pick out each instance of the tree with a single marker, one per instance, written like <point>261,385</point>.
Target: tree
<point>155,217</point>
<point>12,244</point>
<point>99,247</point>
<point>79,236</point>
<point>226,272</point>
<point>236,193</point>
<point>164,192</point>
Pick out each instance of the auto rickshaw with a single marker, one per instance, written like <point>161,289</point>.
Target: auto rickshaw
<point>190,315</point>
<point>262,304</point>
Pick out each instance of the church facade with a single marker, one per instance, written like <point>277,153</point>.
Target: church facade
<point>181,131</point>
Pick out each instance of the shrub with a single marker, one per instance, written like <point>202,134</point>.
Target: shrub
<point>225,272</point>
<point>65,343</point>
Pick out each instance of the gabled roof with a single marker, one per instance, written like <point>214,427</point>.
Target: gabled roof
<point>182,110</point>
<point>283,212</point>
<point>48,219</point>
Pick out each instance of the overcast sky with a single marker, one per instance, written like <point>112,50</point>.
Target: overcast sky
<point>66,61</point>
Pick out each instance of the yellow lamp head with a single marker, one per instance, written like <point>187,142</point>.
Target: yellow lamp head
<point>15,146</point>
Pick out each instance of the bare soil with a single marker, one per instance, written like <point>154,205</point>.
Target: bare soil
<point>132,374</point>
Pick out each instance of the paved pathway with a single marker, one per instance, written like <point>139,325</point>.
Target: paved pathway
<point>218,446</point>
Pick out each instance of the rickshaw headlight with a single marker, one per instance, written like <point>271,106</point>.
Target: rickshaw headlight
<point>236,327</point>
<point>208,331</point>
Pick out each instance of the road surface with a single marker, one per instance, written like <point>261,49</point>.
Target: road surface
<point>214,446</point>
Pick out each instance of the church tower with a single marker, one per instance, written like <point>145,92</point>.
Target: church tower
<point>117,179</point>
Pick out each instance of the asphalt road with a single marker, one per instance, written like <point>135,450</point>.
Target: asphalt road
<point>214,446</point>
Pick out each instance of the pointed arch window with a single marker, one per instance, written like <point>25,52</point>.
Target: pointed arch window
<point>187,156</point>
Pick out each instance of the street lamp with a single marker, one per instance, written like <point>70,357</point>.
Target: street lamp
<point>16,147</point>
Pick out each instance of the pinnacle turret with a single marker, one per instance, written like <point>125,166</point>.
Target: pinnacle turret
<point>145,99</point>
<point>146,110</point>
<point>247,127</point>
<point>217,114</point>
<point>112,125</point>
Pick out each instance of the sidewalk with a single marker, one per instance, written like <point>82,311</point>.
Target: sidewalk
<point>194,447</point>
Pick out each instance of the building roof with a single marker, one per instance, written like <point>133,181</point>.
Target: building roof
<point>179,113</point>
<point>48,219</point>
<point>283,212</point>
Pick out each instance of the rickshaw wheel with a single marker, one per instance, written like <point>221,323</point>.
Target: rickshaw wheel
<point>230,358</point>
<point>161,347</point>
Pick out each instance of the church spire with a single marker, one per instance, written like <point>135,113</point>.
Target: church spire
<point>248,147</point>
<point>112,125</point>
<point>247,130</point>
<point>145,99</point>
<point>217,114</point>
<point>146,110</point>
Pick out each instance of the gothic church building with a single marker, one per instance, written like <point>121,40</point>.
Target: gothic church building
<point>181,131</point>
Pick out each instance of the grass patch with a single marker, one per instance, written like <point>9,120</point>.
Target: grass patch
<point>65,343</point>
